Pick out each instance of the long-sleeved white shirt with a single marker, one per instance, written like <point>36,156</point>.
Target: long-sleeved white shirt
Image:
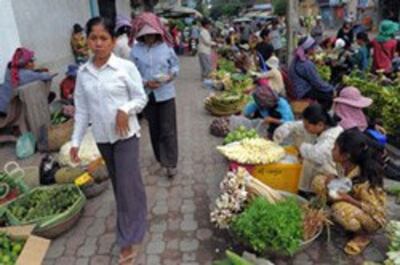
<point>205,42</point>
<point>100,93</point>
<point>318,150</point>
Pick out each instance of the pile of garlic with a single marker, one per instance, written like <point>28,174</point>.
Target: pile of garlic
<point>232,199</point>
<point>253,151</point>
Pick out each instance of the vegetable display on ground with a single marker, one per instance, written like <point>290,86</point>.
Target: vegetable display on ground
<point>239,134</point>
<point>10,249</point>
<point>42,203</point>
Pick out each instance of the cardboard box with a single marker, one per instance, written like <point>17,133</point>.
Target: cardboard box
<point>35,247</point>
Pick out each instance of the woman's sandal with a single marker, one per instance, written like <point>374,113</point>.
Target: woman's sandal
<point>356,245</point>
<point>128,260</point>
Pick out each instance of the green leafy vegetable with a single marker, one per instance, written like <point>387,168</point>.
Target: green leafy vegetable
<point>271,226</point>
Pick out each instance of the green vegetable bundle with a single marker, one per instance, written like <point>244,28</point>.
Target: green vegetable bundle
<point>43,203</point>
<point>226,65</point>
<point>240,134</point>
<point>324,72</point>
<point>266,226</point>
<point>232,259</point>
<point>10,249</point>
<point>58,118</point>
<point>225,104</point>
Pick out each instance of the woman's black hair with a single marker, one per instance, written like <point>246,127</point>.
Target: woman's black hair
<point>77,28</point>
<point>123,30</point>
<point>265,33</point>
<point>105,22</point>
<point>363,36</point>
<point>205,21</point>
<point>355,144</point>
<point>315,113</point>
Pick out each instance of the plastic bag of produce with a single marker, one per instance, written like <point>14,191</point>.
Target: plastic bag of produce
<point>25,145</point>
<point>236,121</point>
<point>88,151</point>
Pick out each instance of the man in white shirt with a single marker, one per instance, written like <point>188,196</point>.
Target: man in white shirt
<point>205,49</point>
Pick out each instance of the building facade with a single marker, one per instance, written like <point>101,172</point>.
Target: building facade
<point>45,27</point>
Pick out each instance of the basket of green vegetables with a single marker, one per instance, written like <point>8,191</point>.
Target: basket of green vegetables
<point>52,209</point>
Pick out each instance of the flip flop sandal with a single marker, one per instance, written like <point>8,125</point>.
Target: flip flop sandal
<point>130,259</point>
<point>356,246</point>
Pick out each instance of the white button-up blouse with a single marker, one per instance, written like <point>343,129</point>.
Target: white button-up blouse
<point>100,93</point>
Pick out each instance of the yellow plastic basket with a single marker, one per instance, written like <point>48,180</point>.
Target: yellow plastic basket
<point>278,175</point>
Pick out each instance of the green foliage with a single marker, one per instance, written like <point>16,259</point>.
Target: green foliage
<point>226,66</point>
<point>226,8</point>
<point>279,7</point>
<point>271,226</point>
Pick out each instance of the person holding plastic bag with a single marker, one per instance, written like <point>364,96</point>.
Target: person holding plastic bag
<point>360,206</point>
<point>109,93</point>
<point>315,136</point>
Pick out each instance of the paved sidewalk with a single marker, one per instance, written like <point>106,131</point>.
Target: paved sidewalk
<point>179,227</point>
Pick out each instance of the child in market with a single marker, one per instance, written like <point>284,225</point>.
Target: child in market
<point>361,210</point>
<point>67,86</point>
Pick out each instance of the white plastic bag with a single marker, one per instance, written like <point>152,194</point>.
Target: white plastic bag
<point>88,151</point>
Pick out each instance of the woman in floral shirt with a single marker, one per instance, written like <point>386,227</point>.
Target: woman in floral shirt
<point>362,210</point>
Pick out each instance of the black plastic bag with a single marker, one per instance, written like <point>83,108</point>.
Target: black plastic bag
<point>48,169</point>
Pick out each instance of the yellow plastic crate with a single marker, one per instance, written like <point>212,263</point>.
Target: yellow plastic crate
<point>280,176</point>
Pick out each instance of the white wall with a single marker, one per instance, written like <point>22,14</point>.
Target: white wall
<point>45,26</point>
<point>8,35</point>
<point>123,7</point>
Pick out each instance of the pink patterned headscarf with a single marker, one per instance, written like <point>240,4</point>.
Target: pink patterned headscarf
<point>150,19</point>
<point>20,59</point>
<point>351,117</point>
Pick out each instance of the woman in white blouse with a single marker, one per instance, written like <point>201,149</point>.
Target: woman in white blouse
<point>109,93</point>
<point>316,135</point>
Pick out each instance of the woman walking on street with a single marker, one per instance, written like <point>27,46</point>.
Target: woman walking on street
<point>159,66</point>
<point>109,93</point>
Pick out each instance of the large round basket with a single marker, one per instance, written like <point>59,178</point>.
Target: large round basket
<point>220,113</point>
<point>58,135</point>
<point>94,189</point>
<point>58,229</point>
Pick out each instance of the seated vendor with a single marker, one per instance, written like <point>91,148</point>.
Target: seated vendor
<point>362,209</point>
<point>349,105</point>
<point>315,136</point>
<point>20,71</point>
<point>307,83</point>
<point>274,76</point>
<point>268,105</point>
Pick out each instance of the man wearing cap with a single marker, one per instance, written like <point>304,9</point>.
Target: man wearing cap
<point>205,49</point>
